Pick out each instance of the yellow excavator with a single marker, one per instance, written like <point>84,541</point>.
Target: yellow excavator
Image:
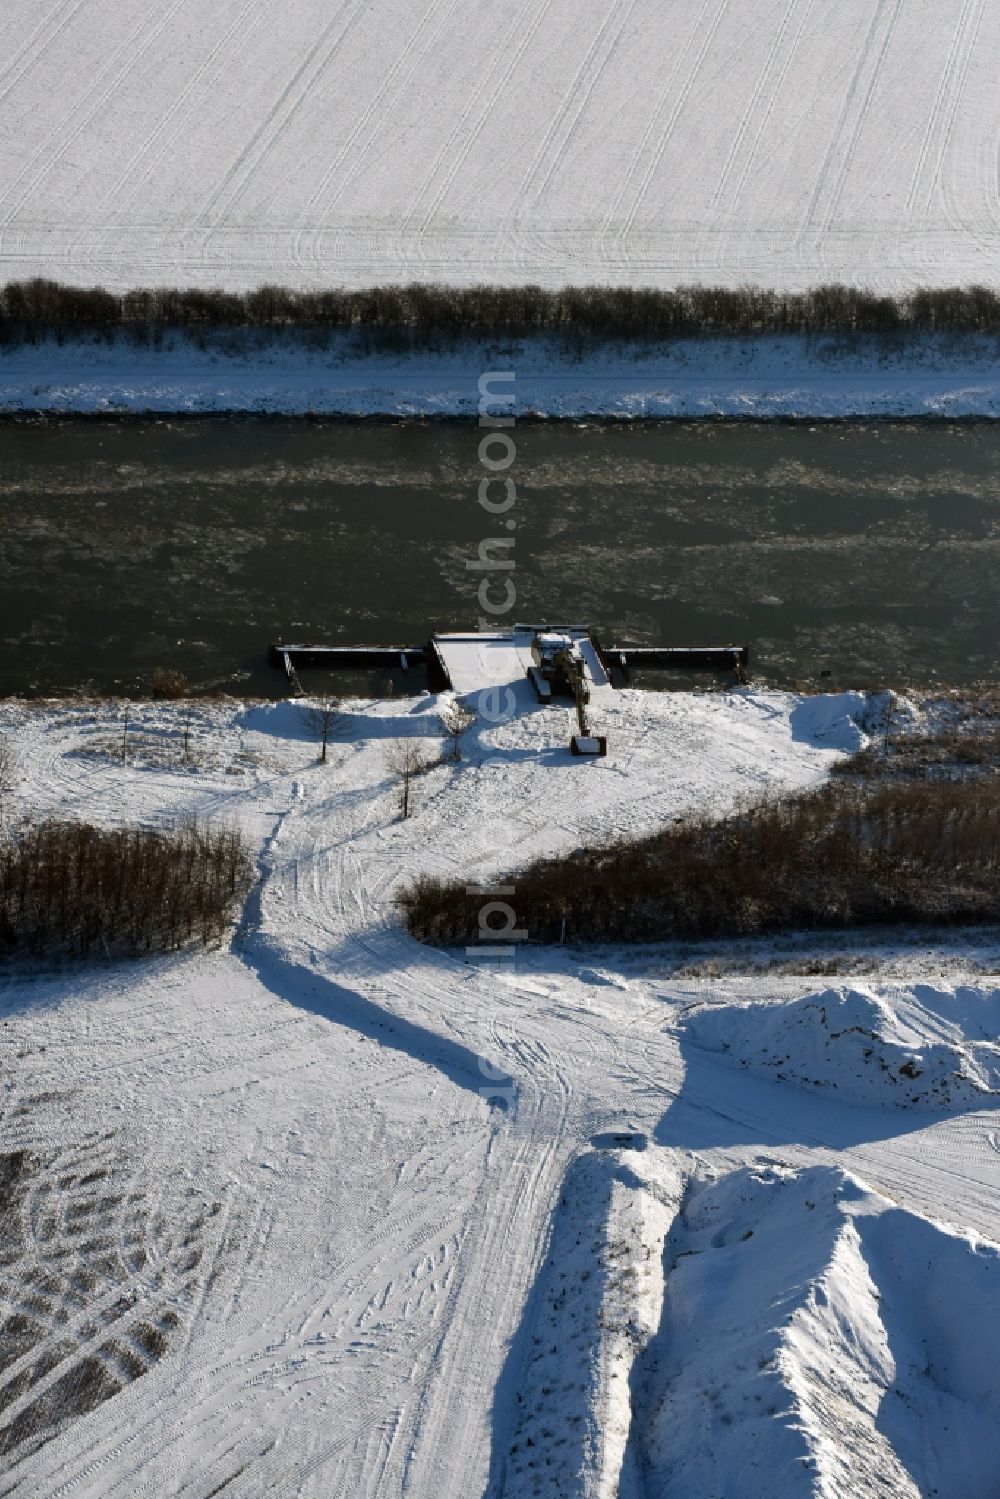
<point>559,670</point>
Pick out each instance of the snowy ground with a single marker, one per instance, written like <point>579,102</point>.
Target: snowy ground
<point>936,1048</point>
<point>761,378</point>
<point>270,1194</point>
<point>639,141</point>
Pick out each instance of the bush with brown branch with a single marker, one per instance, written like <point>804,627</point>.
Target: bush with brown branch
<point>168,683</point>
<point>949,753</point>
<point>72,887</point>
<point>842,856</point>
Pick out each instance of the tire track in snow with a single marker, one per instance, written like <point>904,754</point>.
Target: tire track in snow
<point>237,30</point>
<point>745,122</point>
<point>384,98</point>
<point>280,115</point>
<point>674,116</point>
<point>400,1358</point>
<point>461,140</point>
<point>957,96</point>
<point>752,103</point>
<point>435,1438</point>
<point>216,1384</point>
<point>148,1272</point>
<point>446,1454</point>
<point>443,1449</point>
<point>936,110</point>
<point>847,159</point>
<point>132,50</point>
<point>578,95</point>
<point>654,117</point>
<point>846,108</point>
<point>67,10</point>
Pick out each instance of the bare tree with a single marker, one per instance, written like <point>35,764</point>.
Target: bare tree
<point>186,734</point>
<point>888,716</point>
<point>10,772</point>
<point>321,719</point>
<point>405,759</point>
<point>456,720</point>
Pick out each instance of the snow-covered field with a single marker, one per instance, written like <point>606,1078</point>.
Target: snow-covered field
<point>638,141</point>
<point>329,1213</point>
<point>760,378</point>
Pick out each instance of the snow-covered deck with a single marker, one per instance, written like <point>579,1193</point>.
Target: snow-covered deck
<point>475,661</point>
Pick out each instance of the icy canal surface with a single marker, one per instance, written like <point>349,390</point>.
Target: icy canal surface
<point>868,551</point>
<point>268,1230</point>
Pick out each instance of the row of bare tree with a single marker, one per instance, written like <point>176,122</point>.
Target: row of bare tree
<point>405,758</point>
<point>30,310</point>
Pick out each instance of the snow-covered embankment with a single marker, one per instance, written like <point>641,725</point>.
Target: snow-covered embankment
<point>764,378</point>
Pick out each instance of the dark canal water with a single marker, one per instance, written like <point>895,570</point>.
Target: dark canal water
<point>869,552</point>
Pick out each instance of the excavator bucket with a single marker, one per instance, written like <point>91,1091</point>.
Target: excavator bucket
<point>589,744</point>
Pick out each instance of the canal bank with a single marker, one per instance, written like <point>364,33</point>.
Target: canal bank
<point>764,377</point>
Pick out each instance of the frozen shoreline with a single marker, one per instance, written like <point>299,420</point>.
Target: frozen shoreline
<point>767,378</point>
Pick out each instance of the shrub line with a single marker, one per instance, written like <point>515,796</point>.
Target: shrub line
<point>72,887</point>
<point>421,313</point>
<point>842,856</point>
